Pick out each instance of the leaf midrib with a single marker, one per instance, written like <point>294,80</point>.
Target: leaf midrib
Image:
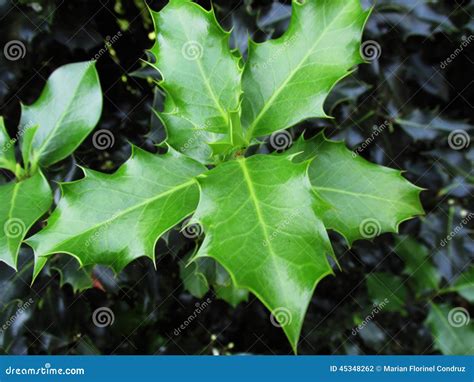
<point>254,199</point>
<point>50,135</point>
<point>270,101</point>
<point>128,210</point>
<point>204,77</point>
<point>361,195</point>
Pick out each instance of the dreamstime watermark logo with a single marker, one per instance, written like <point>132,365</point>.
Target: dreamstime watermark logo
<point>458,317</point>
<point>200,307</point>
<point>191,231</point>
<point>369,228</point>
<point>376,310</point>
<point>45,370</point>
<point>14,50</point>
<point>370,50</point>
<point>22,307</point>
<point>8,145</point>
<point>281,140</point>
<point>192,50</point>
<point>197,134</point>
<point>103,317</point>
<point>96,234</point>
<point>280,227</point>
<point>109,41</point>
<point>281,317</point>
<point>281,49</point>
<point>103,139</point>
<point>377,131</point>
<point>193,139</point>
<point>464,44</point>
<point>14,228</point>
<point>100,231</point>
<point>457,229</point>
<point>459,140</point>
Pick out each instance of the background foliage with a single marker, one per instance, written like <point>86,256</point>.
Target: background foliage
<point>410,95</point>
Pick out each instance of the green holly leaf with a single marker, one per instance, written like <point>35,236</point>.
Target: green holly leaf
<point>452,329</point>
<point>27,143</point>
<point>66,112</point>
<point>223,285</point>
<point>418,266</point>
<point>7,149</point>
<point>387,290</point>
<point>231,293</point>
<point>234,138</point>
<point>114,219</point>
<point>70,272</point>
<point>260,225</point>
<point>194,280</point>
<point>200,75</point>
<point>287,80</point>
<point>464,285</point>
<point>366,199</point>
<point>198,274</point>
<point>21,205</point>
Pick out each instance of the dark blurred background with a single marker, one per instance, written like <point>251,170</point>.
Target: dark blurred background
<point>408,87</point>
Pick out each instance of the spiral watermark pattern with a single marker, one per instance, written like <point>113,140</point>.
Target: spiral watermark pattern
<point>103,139</point>
<point>281,317</point>
<point>458,317</point>
<point>281,140</point>
<point>14,50</point>
<point>369,228</point>
<point>103,317</point>
<point>192,50</point>
<point>14,228</point>
<point>191,231</point>
<point>370,50</point>
<point>459,140</point>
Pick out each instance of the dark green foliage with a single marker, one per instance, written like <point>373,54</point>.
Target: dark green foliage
<point>409,85</point>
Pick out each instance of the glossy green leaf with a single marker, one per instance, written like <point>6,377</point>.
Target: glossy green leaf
<point>223,285</point>
<point>201,273</point>
<point>452,329</point>
<point>71,273</point>
<point>194,280</point>
<point>366,199</point>
<point>27,143</point>
<point>200,75</point>
<point>114,219</point>
<point>287,80</point>
<point>21,205</point>
<point>387,290</point>
<point>464,285</point>
<point>67,110</point>
<point>234,138</point>
<point>7,149</point>
<point>231,294</point>
<point>418,265</point>
<point>259,221</point>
